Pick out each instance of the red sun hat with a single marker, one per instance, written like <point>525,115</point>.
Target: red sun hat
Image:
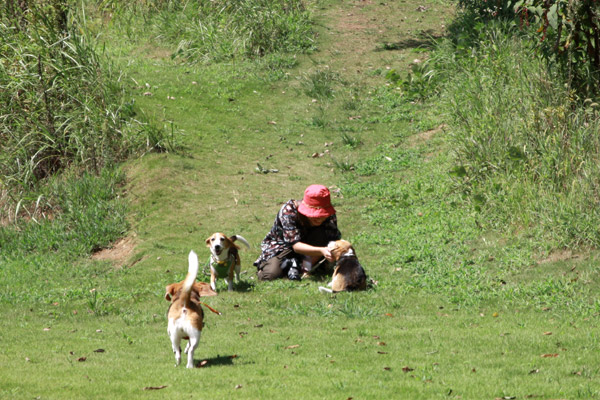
<point>316,202</point>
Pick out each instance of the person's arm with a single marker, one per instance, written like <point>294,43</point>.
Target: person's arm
<point>313,251</point>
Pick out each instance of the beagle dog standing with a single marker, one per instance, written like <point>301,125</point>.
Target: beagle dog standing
<point>185,314</point>
<point>348,274</point>
<point>224,258</point>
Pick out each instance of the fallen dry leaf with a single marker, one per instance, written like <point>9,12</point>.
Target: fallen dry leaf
<point>202,363</point>
<point>381,343</point>
<point>46,329</point>
<point>155,387</point>
<point>82,359</point>
<point>387,368</point>
<point>272,123</point>
<point>238,386</point>
<point>550,355</point>
<point>407,369</point>
<point>293,346</point>
<point>99,351</point>
<point>547,333</point>
<point>534,371</point>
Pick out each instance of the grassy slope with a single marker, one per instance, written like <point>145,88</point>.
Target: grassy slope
<point>404,339</point>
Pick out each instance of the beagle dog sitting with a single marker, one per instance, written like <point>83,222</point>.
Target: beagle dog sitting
<point>185,314</point>
<point>348,274</point>
<point>224,258</point>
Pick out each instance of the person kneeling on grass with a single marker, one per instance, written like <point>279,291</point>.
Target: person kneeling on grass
<point>299,236</point>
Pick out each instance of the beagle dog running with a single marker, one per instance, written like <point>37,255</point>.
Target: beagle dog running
<point>224,258</point>
<point>185,314</point>
<point>348,274</point>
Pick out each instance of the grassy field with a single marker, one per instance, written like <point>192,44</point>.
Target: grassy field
<point>454,311</point>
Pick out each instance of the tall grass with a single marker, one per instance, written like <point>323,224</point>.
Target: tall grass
<point>76,216</point>
<point>62,104</point>
<point>526,147</point>
<point>209,31</point>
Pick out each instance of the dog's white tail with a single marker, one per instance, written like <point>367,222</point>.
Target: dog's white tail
<point>325,290</point>
<point>241,239</point>
<point>186,289</point>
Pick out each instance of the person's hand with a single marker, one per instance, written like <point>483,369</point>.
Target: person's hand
<point>327,254</point>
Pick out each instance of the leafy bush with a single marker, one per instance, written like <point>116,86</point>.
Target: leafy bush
<point>567,32</point>
<point>487,8</point>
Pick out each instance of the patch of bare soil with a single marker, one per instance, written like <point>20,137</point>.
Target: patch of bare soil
<point>559,255</point>
<point>372,34</point>
<point>423,137</point>
<point>120,252</point>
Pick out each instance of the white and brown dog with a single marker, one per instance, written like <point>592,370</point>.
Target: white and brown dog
<point>224,258</point>
<point>185,314</point>
<point>348,274</point>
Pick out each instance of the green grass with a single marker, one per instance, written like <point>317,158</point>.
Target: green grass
<point>457,308</point>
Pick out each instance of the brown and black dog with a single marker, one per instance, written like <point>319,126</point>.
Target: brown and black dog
<point>185,314</point>
<point>224,258</point>
<point>348,274</point>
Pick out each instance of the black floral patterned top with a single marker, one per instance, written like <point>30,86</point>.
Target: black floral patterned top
<point>288,229</point>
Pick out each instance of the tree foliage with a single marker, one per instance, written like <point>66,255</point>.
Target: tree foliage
<point>568,31</point>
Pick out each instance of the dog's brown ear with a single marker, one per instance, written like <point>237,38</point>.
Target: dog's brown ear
<point>208,241</point>
<point>170,291</point>
<point>203,289</point>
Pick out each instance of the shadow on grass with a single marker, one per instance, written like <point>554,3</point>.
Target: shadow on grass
<point>426,40</point>
<point>244,286</point>
<point>217,361</point>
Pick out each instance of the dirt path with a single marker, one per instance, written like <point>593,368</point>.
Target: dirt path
<point>230,127</point>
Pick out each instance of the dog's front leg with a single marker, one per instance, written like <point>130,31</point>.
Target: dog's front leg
<point>229,282</point>
<point>213,279</point>
<point>238,268</point>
